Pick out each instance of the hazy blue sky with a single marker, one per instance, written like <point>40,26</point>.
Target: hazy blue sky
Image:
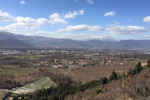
<point>77,19</point>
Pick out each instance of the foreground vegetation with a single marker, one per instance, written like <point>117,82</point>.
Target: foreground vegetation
<point>60,92</point>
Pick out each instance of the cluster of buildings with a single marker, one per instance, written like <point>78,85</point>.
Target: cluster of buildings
<point>84,59</point>
<point>75,58</point>
<point>9,52</point>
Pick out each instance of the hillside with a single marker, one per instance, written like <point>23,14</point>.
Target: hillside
<point>135,87</point>
<point>13,43</point>
<point>11,40</point>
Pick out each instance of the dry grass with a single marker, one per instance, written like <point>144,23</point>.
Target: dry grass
<point>86,74</point>
<point>2,93</point>
<point>123,89</point>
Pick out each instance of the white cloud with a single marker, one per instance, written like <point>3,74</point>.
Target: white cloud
<point>67,30</point>
<point>112,13</point>
<point>90,1</point>
<point>81,12</point>
<point>146,19</point>
<point>78,28</point>
<point>116,29</point>
<point>81,36</point>
<point>4,16</point>
<point>56,18</point>
<point>71,15</point>
<point>146,36</point>
<point>29,23</point>
<point>74,36</point>
<point>22,2</point>
<point>24,24</point>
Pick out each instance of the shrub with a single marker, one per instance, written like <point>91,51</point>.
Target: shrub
<point>104,80</point>
<point>148,63</point>
<point>98,91</point>
<point>113,76</point>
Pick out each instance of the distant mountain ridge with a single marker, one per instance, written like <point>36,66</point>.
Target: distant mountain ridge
<point>11,40</point>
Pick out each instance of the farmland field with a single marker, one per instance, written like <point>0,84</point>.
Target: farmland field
<point>37,85</point>
<point>28,72</point>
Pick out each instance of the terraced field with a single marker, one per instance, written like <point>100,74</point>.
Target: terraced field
<point>37,85</point>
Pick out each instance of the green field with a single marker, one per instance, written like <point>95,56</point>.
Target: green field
<point>30,56</point>
<point>16,69</point>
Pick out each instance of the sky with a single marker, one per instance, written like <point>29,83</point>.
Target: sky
<point>77,19</point>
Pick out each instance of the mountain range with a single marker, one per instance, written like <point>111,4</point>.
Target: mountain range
<point>10,40</point>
